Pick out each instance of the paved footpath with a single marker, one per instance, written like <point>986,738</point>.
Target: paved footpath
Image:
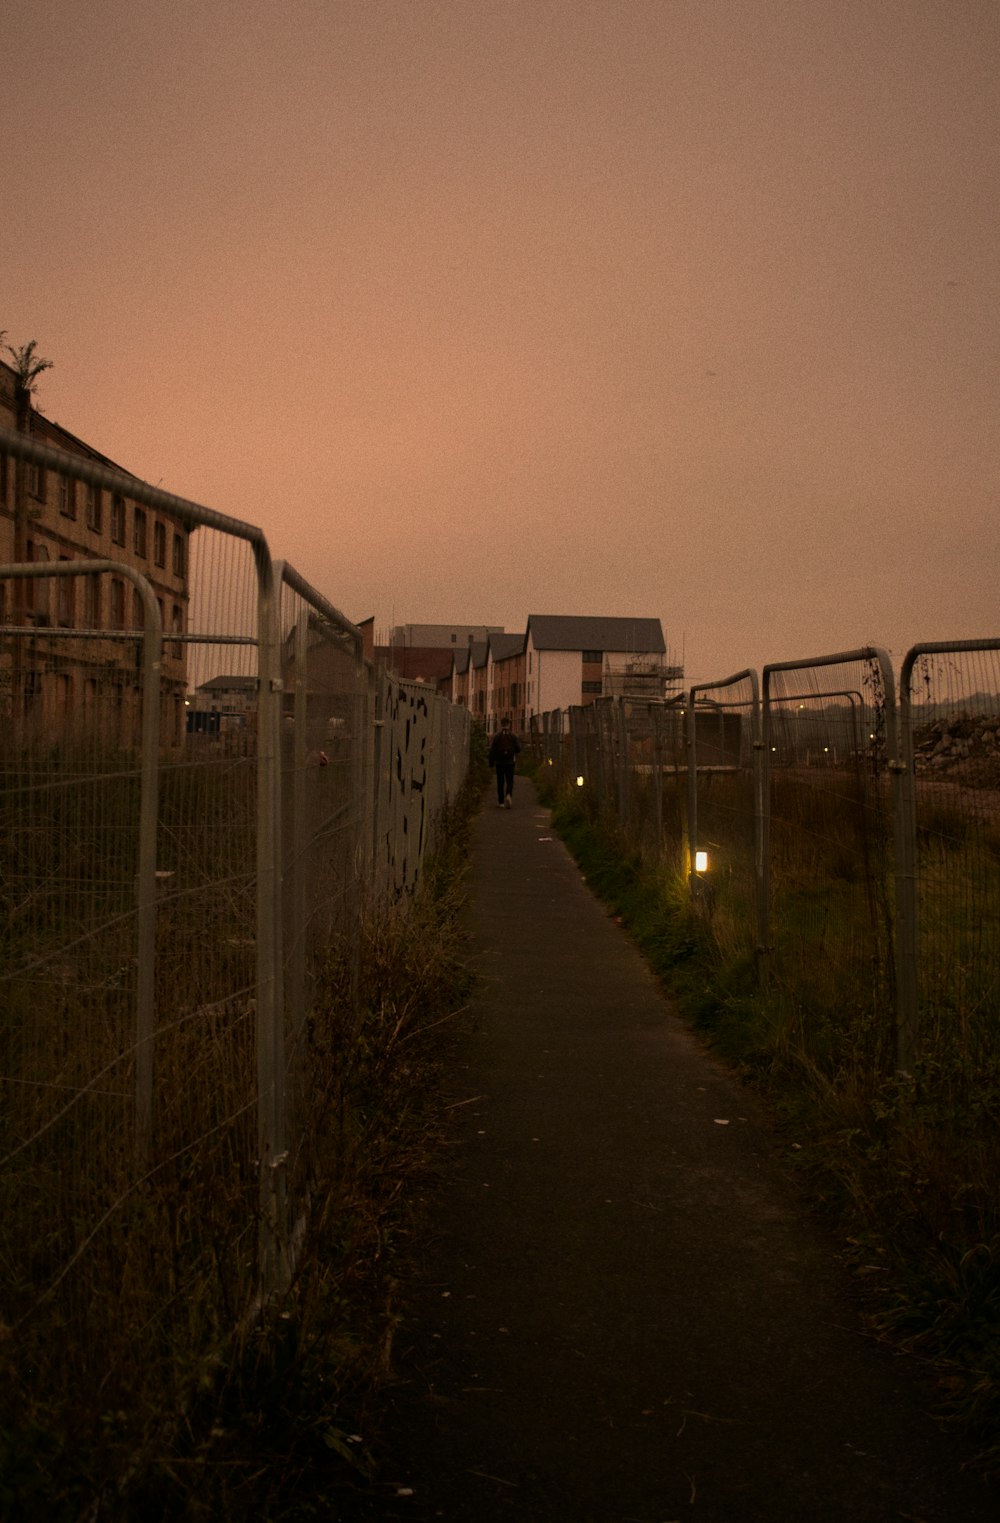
<point>623,1313</point>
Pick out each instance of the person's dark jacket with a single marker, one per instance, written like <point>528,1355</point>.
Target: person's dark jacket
<point>504,748</point>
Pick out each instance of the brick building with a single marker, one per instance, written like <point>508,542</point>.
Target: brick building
<point>560,662</point>
<point>61,685</point>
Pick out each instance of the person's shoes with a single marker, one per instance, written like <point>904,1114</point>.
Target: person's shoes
<point>506,802</point>
<point>499,805</point>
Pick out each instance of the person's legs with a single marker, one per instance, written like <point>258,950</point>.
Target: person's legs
<point>508,773</point>
<point>501,781</point>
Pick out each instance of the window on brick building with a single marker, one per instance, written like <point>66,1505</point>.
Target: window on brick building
<point>159,543</point>
<point>92,605</point>
<point>95,509</point>
<point>178,556</point>
<point>66,596</point>
<point>593,657</point>
<point>139,532</point>
<point>67,496</point>
<point>36,593</point>
<point>118,518</point>
<point>36,481</point>
<point>591,687</point>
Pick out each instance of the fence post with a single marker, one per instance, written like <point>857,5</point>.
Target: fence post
<point>296,855</point>
<point>657,765</point>
<point>901,769</point>
<point>764,866</point>
<point>624,762</point>
<point>761,828</point>
<point>691,751</point>
<point>270,1004</point>
<point>149,810</point>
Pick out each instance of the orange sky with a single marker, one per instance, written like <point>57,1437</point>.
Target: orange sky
<point>675,308</point>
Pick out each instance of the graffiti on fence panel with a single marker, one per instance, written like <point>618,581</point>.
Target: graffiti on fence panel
<point>401,812</point>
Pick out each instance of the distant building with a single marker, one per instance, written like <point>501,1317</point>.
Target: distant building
<point>228,699</point>
<point>561,662</point>
<point>425,652</point>
<point>506,690</point>
<point>60,685</point>
<point>558,662</point>
<point>440,636</point>
<point>461,685</point>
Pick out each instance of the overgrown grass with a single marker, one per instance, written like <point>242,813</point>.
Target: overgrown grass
<point>907,1168</point>
<point>191,1407</point>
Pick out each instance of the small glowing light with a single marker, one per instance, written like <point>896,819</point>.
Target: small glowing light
<point>701,861</point>
<point>550,761</point>
<point>579,782</point>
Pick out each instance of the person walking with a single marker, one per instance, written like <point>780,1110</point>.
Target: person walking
<point>503,755</point>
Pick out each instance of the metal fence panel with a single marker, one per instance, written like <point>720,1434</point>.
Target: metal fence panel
<point>852,848</point>
<point>411,787</point>
<point>324,727</point>
<point>829,735</point>
<point>187,806</point>
<point>950,710</point>
<point>80,712</point>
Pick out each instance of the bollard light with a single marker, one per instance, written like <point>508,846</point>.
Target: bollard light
<point>579,782</point>
<point>701,861</point>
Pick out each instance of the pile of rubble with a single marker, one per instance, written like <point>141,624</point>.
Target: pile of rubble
<point>969,742</point>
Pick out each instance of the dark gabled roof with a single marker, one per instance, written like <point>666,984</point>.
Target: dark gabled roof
<point>466,654</point>
<point>556,632</point>
<point>228,685</point>
<point>502,646</point>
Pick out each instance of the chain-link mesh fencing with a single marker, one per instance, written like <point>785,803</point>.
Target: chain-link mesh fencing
<point>950,713</point>
<point>188,806</point>
<point>847,845</point>
<point>829,733</point>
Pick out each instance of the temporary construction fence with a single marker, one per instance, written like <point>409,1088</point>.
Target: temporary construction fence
<point>172,884</point>
<point>836,836</point>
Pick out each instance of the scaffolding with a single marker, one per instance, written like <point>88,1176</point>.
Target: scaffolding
<point>642,677</point>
